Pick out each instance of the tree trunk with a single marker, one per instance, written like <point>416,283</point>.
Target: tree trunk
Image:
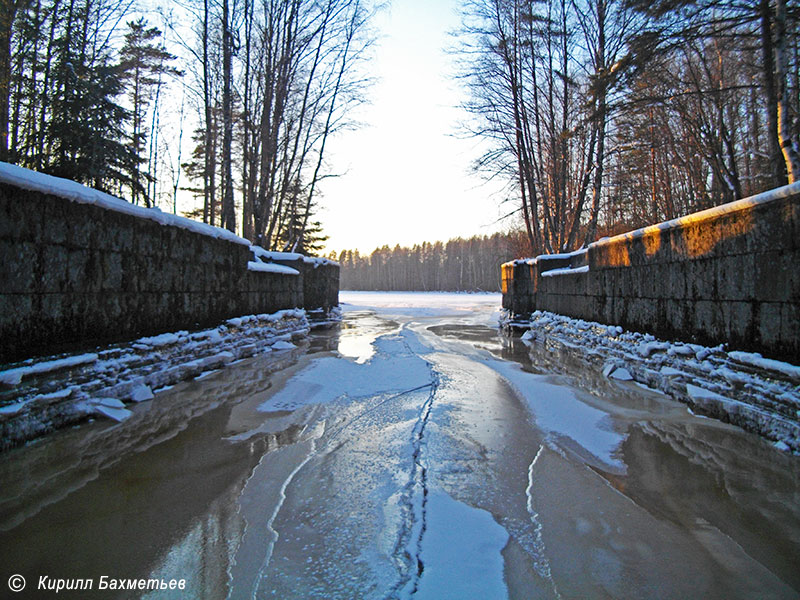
<point>776,160</point>
<point>785,117</point>
<point>228,210</point>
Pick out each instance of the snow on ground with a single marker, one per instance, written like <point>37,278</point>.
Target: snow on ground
<point>426,304</point>
<point>760,395</point>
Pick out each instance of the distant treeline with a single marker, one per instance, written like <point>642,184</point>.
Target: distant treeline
<point>460,264</point>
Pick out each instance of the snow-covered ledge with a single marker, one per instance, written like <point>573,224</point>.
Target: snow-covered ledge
<point>39,396</point>
<point>64,188</point>
<point>758,394</point>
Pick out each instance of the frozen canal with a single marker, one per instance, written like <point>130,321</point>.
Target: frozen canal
<point>410,453</point>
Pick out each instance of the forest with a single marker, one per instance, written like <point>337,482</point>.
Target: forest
<point>85,87</point>
<point>598,115</point>
<point>613,114</point>
<point>456,265</point>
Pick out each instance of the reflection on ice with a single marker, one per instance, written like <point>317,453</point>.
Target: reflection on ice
<point>359,330</point>
<point>461,552</point>
<point>395,367</point>
<point>557,410</point>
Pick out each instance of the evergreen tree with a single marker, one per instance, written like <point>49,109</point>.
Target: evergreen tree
<point>85,135</point>
<point>144,62</point>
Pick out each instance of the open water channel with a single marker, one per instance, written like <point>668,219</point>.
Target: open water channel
<point>411,452</point>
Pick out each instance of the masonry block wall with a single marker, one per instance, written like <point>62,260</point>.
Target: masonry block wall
<point>730,274</point>
<point>75,274</point>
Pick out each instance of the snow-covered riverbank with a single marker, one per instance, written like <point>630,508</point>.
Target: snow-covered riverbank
<point>758,394</point>
<point>42,395</point>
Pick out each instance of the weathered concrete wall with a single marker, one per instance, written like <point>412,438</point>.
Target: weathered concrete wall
<point>729,274</point>
<point>73,274</point>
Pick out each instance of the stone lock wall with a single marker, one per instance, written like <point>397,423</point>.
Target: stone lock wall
<point>74,274</point>
<point>730,274</point>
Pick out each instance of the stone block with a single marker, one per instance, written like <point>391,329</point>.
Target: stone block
<point>55,219</point>
<point>708,322</point>
<point>18,267</point>
<point>776,276</point>
<point>791,217</point>
<point>20,219</point>
<point>736,277</point>
<point>769,230</point>
<point>701,279</point>
<point>769,323</point>
<point>790,330</point>
<point>675,311</point>
<point>112,272</point>
<point>739,330</point>
<point>14,310</point>
<point>78,279</point>
<point>52,269</point>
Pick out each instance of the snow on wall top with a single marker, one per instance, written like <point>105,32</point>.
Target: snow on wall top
<point>270,255</point>
<point>787,191</point>
<point>546,257</point>
<point>71,190</point>
<point>780,193</point>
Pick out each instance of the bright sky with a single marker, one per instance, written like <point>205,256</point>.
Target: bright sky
<point>407,176</point>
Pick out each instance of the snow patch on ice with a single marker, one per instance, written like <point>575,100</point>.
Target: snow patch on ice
<point>754,359</point>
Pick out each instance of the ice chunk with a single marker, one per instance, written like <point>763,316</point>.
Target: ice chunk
<point>109,402</point>
<point>9,410</point>
<point>115,414</point>
<point>141,393</point>
<point>283,345</point>
<point>671,372</point>
<point>165,339</point>
<point>621,374</point>
<point>647,348</point>
<point>781,445</point>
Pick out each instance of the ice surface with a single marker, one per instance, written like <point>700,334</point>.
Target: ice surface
<point>556,409</point>
<point>393,368</point>
<point>425,304</point>
<point>461,552</point>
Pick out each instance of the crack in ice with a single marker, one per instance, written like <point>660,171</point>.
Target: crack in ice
<point>540,563</point>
